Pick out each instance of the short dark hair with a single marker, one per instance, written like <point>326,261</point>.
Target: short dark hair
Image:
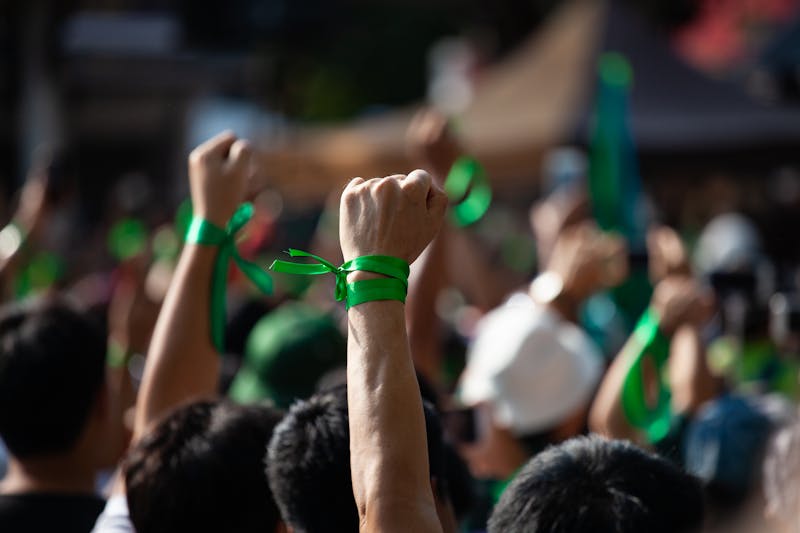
<point>599,485</point>
<point>201,469</point>
<point>52,367</point>
<point>308,463</point>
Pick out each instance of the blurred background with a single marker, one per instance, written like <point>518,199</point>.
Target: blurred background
<point>121,90</point>
<point>637,113</point>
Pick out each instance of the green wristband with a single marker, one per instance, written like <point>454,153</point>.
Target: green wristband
<point>203,232</point>
<point>655,420</point>
<point>371,290</point>
<point>394,287</point>
<point>468,185</point>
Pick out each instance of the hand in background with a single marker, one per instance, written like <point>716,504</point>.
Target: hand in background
<point>679,300</point>
<point>588,260</point>
<point>431,143</point>
<point>667,255</point>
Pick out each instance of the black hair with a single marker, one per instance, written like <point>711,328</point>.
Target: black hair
<point>602,486</point>
<point>308,464</point>
<point>201,469</point>
<point>52,367</point>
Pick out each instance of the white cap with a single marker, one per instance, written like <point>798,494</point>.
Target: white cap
<point>530,366</point>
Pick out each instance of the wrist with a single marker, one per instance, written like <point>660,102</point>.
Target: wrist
<point>218,217</point>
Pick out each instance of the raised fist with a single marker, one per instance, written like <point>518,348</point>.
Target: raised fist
<point>588,260</point>
<point>431,143</point>
<point>679,300</point>
<point>218,171</point>
<point>668,256</point>
<point>397,216</point>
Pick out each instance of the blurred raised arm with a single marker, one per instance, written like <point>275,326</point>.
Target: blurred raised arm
<point>681,306</point>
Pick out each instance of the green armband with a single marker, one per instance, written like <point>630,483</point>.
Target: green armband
<point>654,420</point>
<point>393,287</point>
<point>203,232</point>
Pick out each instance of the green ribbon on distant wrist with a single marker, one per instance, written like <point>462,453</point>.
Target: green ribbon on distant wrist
<point>392,288</point>
<point>468,185</point>
<point>202,231</point>
<point>655,420</point>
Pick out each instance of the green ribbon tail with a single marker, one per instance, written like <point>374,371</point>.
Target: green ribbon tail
<point>203,232</point>
<point>219,285</point>
<point>654,420</point>
<point>255,274</point>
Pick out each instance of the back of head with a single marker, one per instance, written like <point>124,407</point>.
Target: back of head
<point>52,367</point>
<point>724,446</point>
<point>201,469</point>
<point>308,464</point>
<point>593,484</point>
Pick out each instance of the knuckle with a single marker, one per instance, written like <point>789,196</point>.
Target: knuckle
<point>245,148</point>
<point>385,186</point>
<point>198,157</point>
<point>350,197</point>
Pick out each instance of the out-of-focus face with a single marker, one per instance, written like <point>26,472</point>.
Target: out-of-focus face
<point>495,453</point>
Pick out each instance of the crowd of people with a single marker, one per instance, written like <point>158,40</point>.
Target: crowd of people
<point>570,409</point>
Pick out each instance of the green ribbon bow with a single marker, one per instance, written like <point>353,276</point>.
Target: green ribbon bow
<point>655,420</point>
<point>394,288</point>
<point>202,231</point>
<point>467,184</point>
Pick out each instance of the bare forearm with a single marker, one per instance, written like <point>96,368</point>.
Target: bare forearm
<point>181,362</point>
<point>606,416</point>
<point>389,461</point>
<point>690,379</point>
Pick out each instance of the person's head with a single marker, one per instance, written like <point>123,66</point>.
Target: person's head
<point>308,465</point>
<point>286,354</point>
<point>724,446</point>
<point>599,485</point>
<point>202,469</point>
<point>530,378</point>
<point>54,399</point>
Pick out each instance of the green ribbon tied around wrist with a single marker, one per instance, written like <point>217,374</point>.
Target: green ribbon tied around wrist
<point>654,420</point>
<point>202,231</point>
<point>394,287</point>
<point>468,185</point>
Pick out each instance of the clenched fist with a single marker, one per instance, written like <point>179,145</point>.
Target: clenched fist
<point>679,300</point>
<point>588,260</point>
<point>218,172</point>
<point>397,215</point>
